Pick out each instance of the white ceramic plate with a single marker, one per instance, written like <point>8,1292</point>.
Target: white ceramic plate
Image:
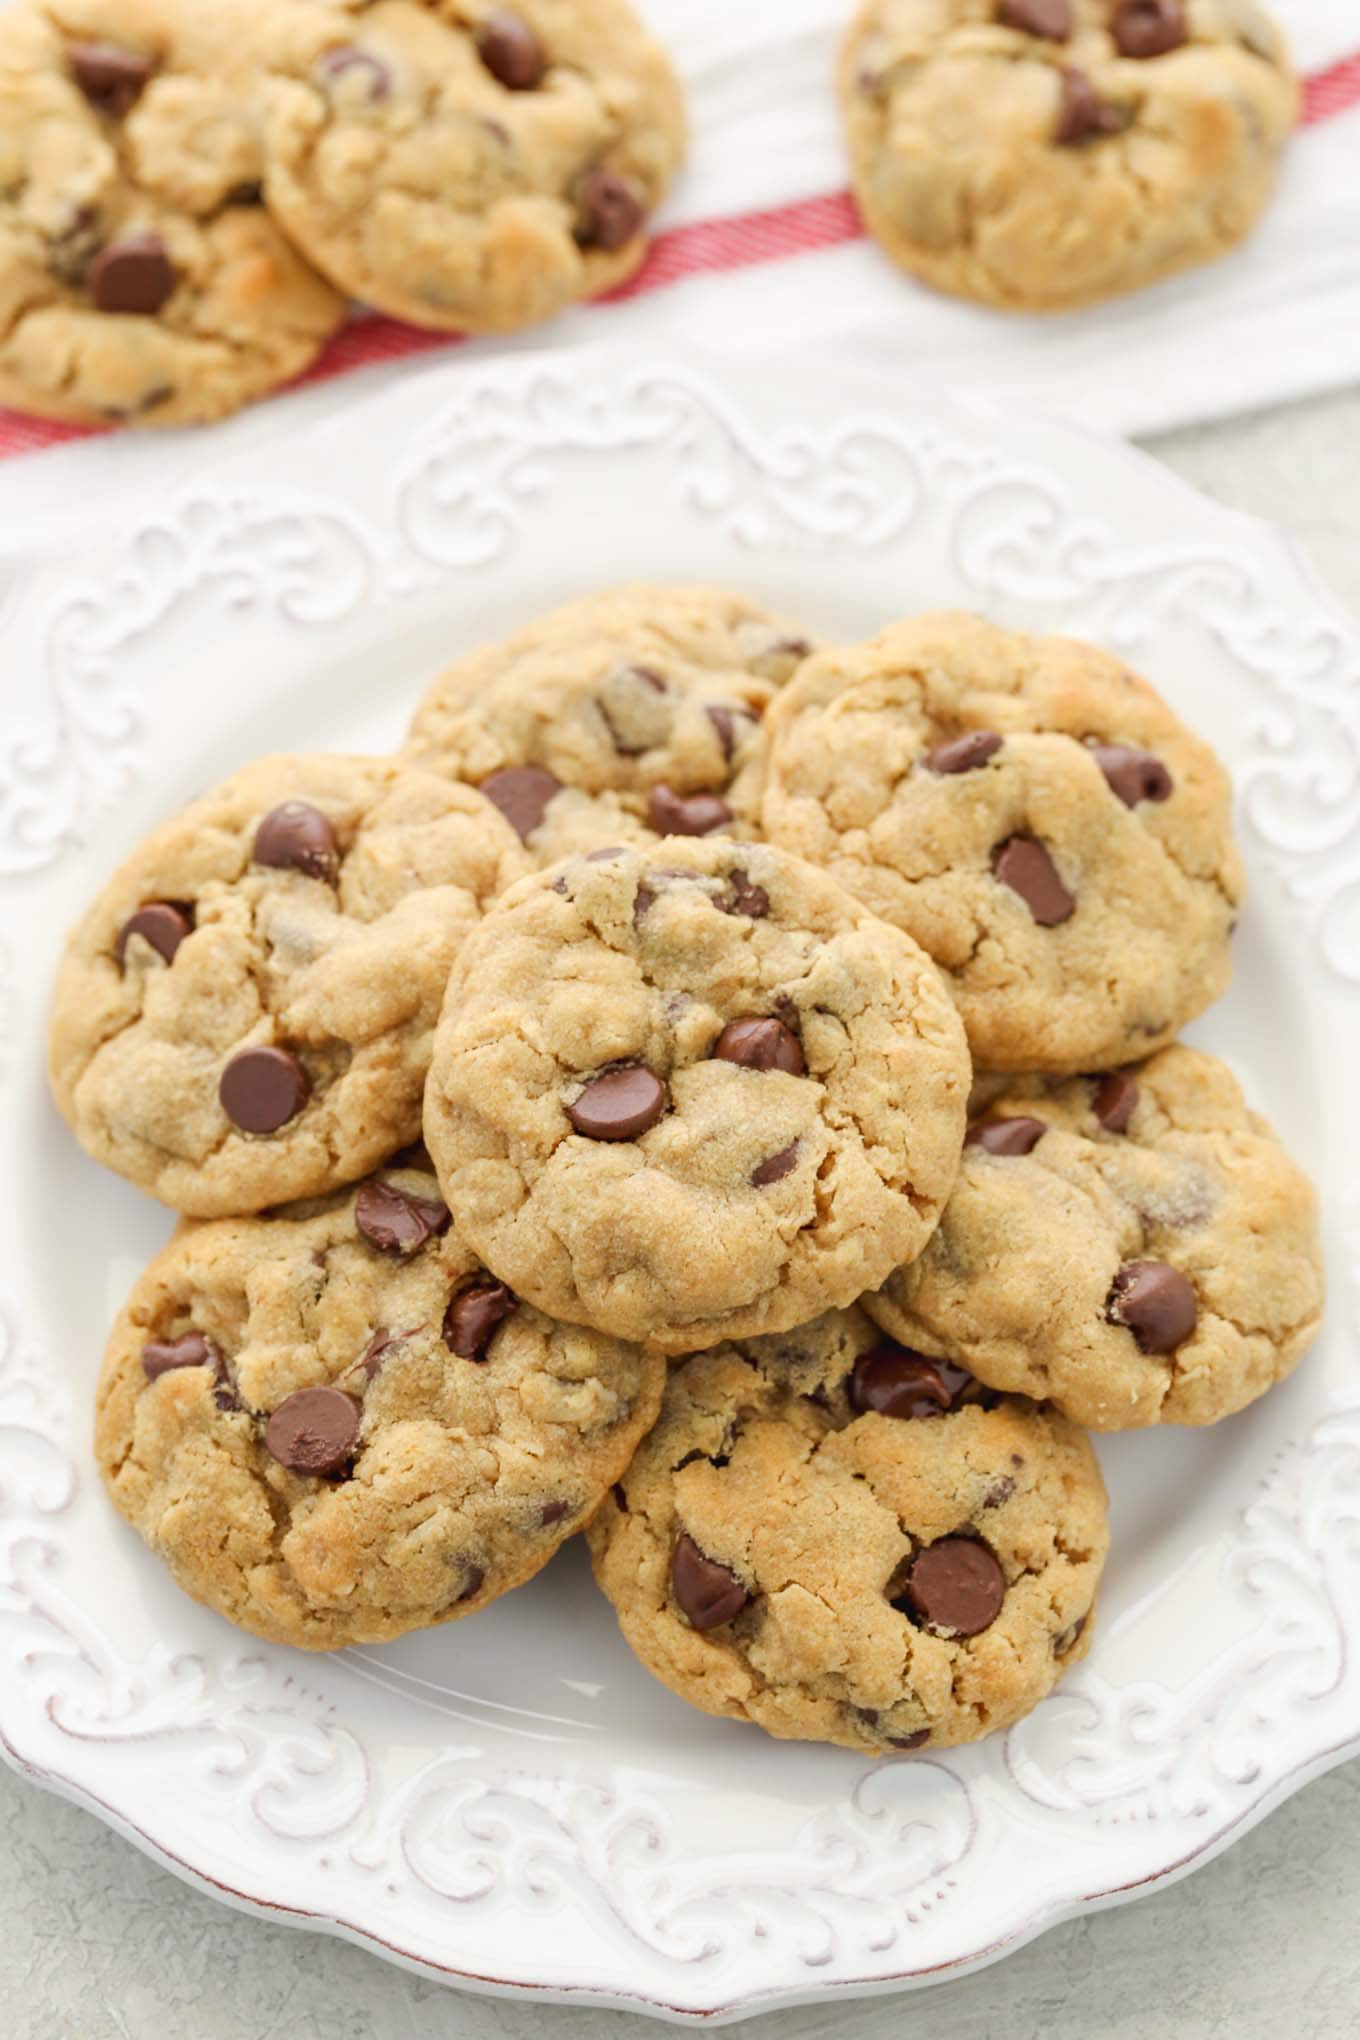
<point>510,1802</point>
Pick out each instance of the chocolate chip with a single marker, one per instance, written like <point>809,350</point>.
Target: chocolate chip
<point>917,1740</point>
<point>761,1045</point>
<point>724,721</point>
<point>475,1315</point>
<point>111,77</point>
<point>161,923</point>
<point>773,657</point>
<point>1005,1136</point>
<point>1133,774</point>
<point>377,1350</point>
<point>966,753</point>
<point>224,1391</point>
<point>1026,867</point>
<point>776,1168</point>
<point>522,793</point>
<point>160,395</point>
<point>1149,28</point>
<point>1082,115</point>
<point>633,707</point>
<point>394,1221</point>
<point>553,1512</point>
<point>743,898</point>
<point>611,212</point>
<point>71,251</point>
<point>1000,1491</point>
<point>695,814</point>
<point>708,1594</point>
<point>1116,1101</point>
<point>1051,19</point>
<point>956,1586</point>
<point>369,71</point>
<point>191,1349</point>
<point>1070,1638</point>
<point>135,275</point>
<point>298,837</point>
<point>474,1579</point>
<point>511,51</point>
<point>261,1089</point>
<point>314,1430</point>
<point>619,1104</point>
<point>895,1382</point>
<point>1156,1303</point>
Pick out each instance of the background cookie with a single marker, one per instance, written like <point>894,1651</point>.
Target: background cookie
<point>619,718</point>
<point>245,1013</point>
<point>1138,1248</point>
<point>467,165</point>
<point>1034,154</point>
<point>1034,815</point>
<point>333,1428</point>
<point>821,1536</point>
<point>140,277</point>
<point>693,1094</point>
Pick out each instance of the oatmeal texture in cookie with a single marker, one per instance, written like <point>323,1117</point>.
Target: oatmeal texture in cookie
<point>467,165</point>
<point>245,1014</point>
<point>1034,815</point>
<point>693,1092</point>
<point>622,717</point>
<point>141,279</point>
<point>843,1542</point>
<point>1037,154</point>
<point>334,1427</point>
<point>1137,1248</point>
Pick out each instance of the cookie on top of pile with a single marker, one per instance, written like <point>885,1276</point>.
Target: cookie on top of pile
<point>189,195</point>
<point>684,992</point>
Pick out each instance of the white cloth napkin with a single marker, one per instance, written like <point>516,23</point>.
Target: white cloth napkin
<point>759,246</point>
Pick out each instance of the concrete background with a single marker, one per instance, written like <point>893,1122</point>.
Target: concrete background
<point>100,1945</point>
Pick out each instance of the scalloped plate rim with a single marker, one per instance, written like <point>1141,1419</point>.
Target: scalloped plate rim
<point>1289,560</point>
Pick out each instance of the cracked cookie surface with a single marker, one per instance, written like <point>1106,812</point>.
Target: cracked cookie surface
<point>618,718</point>
<point>1034,815</point>
<point>1138,1249</point>
<point>141,279</point>
<point>333,1428</point>
<point>693,1092</point>
<point>245,1014</point>
<point>1036,154</point>
<point>829,1538</point>
<point>466,165</point>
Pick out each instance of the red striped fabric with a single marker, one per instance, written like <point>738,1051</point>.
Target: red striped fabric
<point>705,248</point>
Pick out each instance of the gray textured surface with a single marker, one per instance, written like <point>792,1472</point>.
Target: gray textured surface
<point>100,1945</point>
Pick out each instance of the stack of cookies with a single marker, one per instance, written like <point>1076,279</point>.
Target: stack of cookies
<point>713,1093</point>
<point>189,192</point>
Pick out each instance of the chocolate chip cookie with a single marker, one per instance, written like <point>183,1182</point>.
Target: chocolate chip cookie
<point>334,1427</point>
<point>245,1014</point>
<point>141,279</point>
<point>693,1092</point>
<point>466,165</point>
<point>1034,815</point>
<point>1036,154</point>
<point>1137,1248</point>
<point>844,1542</point>
<point>626,716</point>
